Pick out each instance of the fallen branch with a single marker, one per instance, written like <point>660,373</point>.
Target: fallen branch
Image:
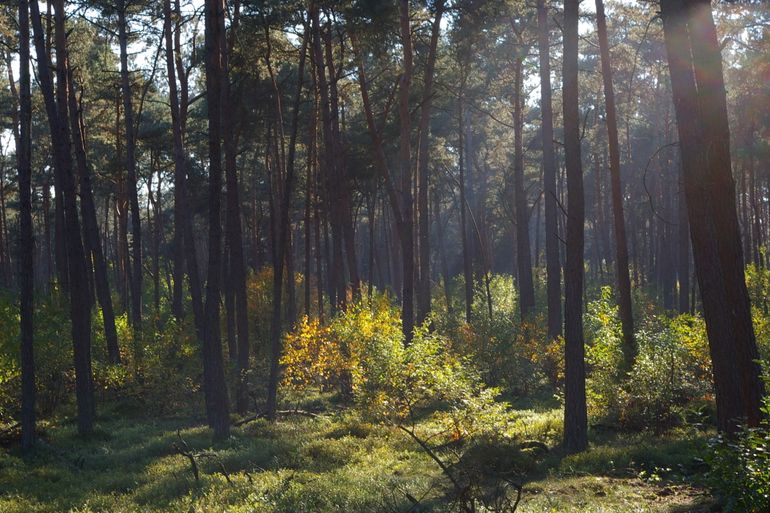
<point>263,415</point>
<point>185,451</point>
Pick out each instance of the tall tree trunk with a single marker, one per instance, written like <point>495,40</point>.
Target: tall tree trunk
<point>405,169</point>
<point>234,234</point>
<point>214,385</point>
<point>284,226</point>
<point>523,251</point>
<point>575,414</point>
<point>707,63</point>
<point>423,175</point>
<point>184,242</point>
<point>133,196</point>
<point>47,262</point>
<point>683,250</point>
<point>341,203</point>
<point>466,253</point>
<point>80,315</point>
<point>619,223</point>
<point>311,156</point>
<point>699,100</point>
<point>91,237</point>
<point>26,240</point>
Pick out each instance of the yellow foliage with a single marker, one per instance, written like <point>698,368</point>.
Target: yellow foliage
<point>313,357</point>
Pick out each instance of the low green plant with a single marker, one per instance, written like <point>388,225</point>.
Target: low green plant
<point>740,465</point>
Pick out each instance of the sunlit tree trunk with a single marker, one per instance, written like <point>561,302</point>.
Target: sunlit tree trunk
<point>552,264</point>
<point>699,99</point>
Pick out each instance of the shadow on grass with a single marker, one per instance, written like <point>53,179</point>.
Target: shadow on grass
<point>139,459</point>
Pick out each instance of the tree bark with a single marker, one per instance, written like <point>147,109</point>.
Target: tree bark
<point>184,242</point>
<point>131,182</point>
<point>80,315</point>
<point>619,223</point>
<point>405,168</point>
<point>280,253</point>
<point>423,175</point>
<point>523,249</point>
<point>575,413</point>
<point>215,388</point>
<point>91,237</point>
<point>26,237</point>
<point>699,100</point>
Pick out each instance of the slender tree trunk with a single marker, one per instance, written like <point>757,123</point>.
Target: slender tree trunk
<point>184,242</point>
<point>215,388</point>
<point>552,264</point>
<point>131,182</point>
<point>26,237</point>
<point>405,169</point>
<point>57,118</point>
<point>283,225</point>
<point>619,223</point>
<point>575,414</point>
<point>308,225</point>
<point>47,267</point>
<point>683,250</point>
<point>423,175</point>
<point>523,250</point>
<point>234,234</point>
<point>467,264</point>
<point>178,256</point>
<point>91,237</point>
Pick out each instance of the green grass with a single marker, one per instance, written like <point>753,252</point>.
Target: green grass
<point>333,463</point>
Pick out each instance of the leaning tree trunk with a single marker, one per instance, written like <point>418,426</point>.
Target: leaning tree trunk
<point>80,314</point>
<point>699,100</point>
<point>91,228</point>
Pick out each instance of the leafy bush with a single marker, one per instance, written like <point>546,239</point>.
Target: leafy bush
<point>669,374</point>
<point>516,356</point>
<point>604,354</point>
<point>740,466</point>
<point>671,370</point>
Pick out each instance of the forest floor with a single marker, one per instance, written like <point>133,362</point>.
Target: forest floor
<point>331,463</point>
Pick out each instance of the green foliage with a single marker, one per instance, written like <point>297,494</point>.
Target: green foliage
<point>604,355</point>
<point>53,356</point>
<point>740,466</point>
<point>510,354</point>
<point>671,372</point>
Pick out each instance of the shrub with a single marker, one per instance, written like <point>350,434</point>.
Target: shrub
<point>671,370</point>
<point>740,466</point>
<point>515,356</point>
